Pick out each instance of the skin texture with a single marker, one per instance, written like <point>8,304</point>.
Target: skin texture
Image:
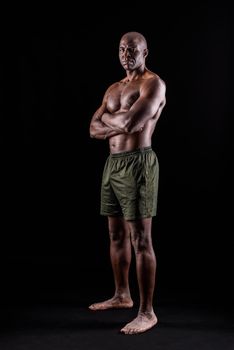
<point>127,117</point>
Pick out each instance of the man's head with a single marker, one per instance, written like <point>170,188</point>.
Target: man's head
<point>132,50</point>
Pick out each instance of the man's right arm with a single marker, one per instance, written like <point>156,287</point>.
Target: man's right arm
<point>98,129</point>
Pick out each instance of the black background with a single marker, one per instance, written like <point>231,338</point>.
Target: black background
<point>58,65</point>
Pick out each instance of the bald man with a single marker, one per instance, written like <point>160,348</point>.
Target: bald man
<point>127,118</point>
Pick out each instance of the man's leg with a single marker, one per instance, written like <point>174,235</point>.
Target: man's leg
<point>146,269</point>
<point>120,254</point>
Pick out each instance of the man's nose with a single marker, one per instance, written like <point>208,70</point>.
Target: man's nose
<point>126,54</point>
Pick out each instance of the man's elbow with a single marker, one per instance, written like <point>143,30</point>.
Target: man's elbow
<point>91,133</point>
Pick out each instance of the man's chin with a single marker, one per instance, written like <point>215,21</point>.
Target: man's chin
<point>127,65</point>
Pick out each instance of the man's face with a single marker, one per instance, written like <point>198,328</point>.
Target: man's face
<point>132,53</point>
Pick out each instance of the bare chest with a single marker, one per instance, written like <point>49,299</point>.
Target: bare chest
<point>122,96</point>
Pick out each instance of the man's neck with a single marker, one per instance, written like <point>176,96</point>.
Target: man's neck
<point>136,74</point>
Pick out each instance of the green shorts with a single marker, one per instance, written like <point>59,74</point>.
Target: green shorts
<point>130,184</point>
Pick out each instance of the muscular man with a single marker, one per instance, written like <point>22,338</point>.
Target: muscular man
<point>127,118</point>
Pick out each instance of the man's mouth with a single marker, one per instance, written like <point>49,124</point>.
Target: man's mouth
<point>127,62</point>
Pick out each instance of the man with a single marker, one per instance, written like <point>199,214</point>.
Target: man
<point>127,118</point>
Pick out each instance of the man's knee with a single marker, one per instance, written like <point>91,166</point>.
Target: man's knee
<point>118,238</point>
<point>114,235</point>
<point>141,242</point>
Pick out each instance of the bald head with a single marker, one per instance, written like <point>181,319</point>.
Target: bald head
<point>135,37</point>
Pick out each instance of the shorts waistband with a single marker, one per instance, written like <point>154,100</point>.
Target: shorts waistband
<point>130,153</point>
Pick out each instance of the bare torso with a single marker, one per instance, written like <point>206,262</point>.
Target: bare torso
<point>120,99</point>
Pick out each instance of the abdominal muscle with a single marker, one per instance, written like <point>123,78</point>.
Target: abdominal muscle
<point>131,142</point>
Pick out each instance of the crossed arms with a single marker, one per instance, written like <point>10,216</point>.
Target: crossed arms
<point>105,124</point>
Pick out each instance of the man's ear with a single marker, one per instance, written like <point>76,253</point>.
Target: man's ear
<point>146,51</point>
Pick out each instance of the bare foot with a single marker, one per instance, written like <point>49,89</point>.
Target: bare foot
<point>113,303</point>
<point>140,324</point>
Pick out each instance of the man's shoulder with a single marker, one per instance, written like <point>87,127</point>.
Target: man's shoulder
<point>114,85</point>
<point>156,78</point>
<point>154,81</point>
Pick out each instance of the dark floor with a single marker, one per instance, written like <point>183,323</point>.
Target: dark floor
<point>72,325</point>
<point>45,307</point>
